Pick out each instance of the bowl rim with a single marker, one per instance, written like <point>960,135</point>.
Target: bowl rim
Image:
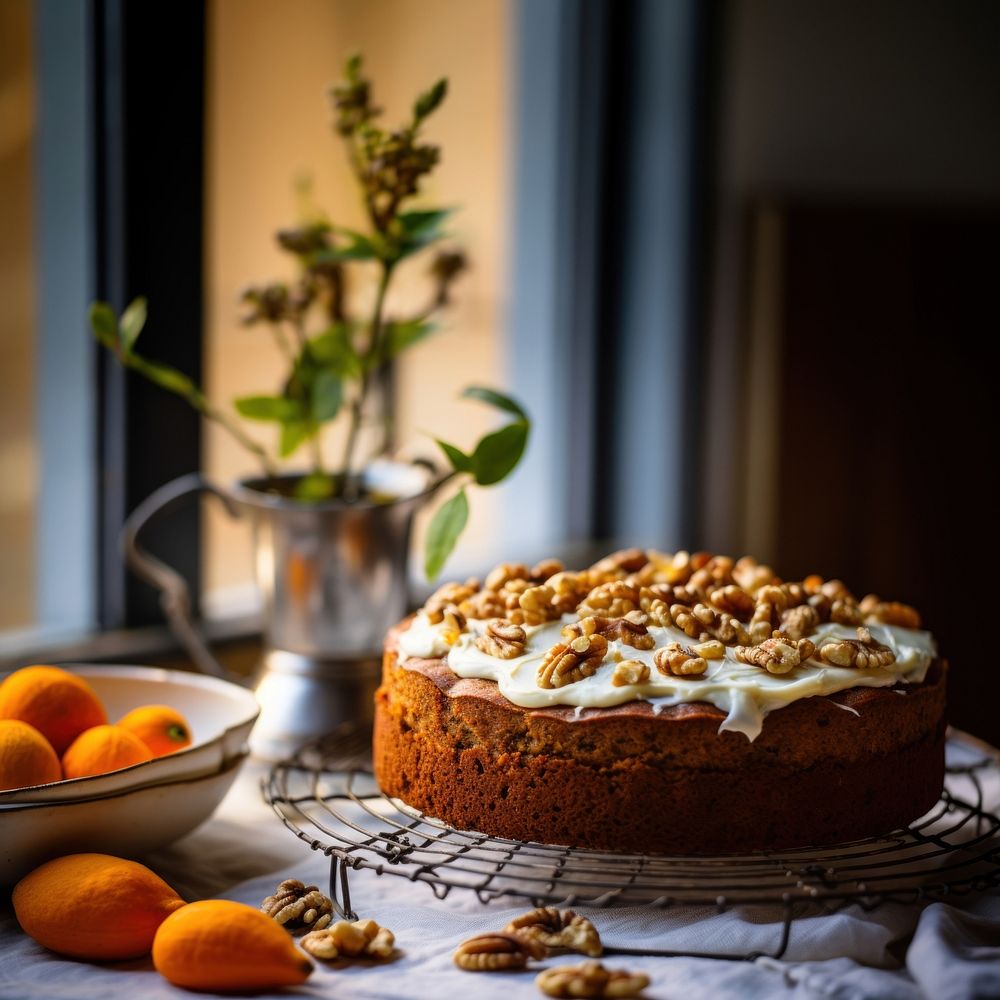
<point>141,673</point>
<point>226,767</point>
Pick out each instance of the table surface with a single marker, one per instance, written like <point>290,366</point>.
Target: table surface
<point>244,850</point>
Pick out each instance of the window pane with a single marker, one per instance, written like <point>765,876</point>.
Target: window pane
<point>268,123</point>
<point>17,318</point>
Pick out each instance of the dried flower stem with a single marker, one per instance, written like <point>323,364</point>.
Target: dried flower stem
<point>314,442</point>
<point>371,353</point>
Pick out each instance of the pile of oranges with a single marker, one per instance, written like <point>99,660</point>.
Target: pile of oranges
<point>53,726</point>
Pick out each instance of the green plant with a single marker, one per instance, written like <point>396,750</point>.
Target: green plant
<point>335,359</point>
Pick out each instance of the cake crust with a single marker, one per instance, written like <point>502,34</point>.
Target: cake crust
<point>824,770</point>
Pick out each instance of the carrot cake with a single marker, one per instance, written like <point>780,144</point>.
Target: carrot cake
<point>662,703</point>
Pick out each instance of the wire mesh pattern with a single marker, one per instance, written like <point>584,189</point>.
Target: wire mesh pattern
<point>327,797</point>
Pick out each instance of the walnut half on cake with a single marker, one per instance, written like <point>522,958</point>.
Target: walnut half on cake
<point>662,703</point>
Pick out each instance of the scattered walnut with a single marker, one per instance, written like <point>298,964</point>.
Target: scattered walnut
<point>777,655</point>
<point>630,672</point>
<point>751,575</point>
<point>539,604</point>
<point>541,571</point>
<point>875,609</point>
<point>567,663</point>
<point>843,611</point>
<point>347,939</point>
<point>558,930</point>
<point>570,589</point>
<point>716,574</point>
<point>448,595</point>
<point>452,625</point>
<point>623,561</point>
<point>657,613</point>
<point>483,605</point>
<point>711,649</point>
<point>504,573</point>
<point>295,905</point>
<point>687,619</point>
<point>771,602</point>
<point>837,590</point>
<point>865,653</point>
<point>502,639</point>
<point>799,622</point>
<point>612,600</point>
<point>630,629</point>
<point>734,600</point>
<point>590,980</point>
<point>680,569</point>
<point>510,593</point>
<point>682,661</point>
<point>493,952</point>
<point>701,622</point>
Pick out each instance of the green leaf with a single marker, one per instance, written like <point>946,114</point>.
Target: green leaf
<point>398,336</point>
<point>132,322</point>
<point>314,487</point>
<point>334,349</point>
<point>103,324</point>
<point>494,398</point>
<point>420,221</point>
<point>352,69</point>
<point>430,99</point>
<point>498,453</point>
<point>293,434</point>
<point>327,395</point>
<point>167,378</point>
<point>460,462</point>
<point>443,531</point>
<point>418,229</point>
<point>277,408</point>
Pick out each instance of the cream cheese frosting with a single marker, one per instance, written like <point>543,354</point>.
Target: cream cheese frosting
<point>744,692</point>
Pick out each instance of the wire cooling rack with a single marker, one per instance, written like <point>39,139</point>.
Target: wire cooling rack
<point>327,797</point>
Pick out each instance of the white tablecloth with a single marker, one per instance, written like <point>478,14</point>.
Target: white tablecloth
<point>940,952</point>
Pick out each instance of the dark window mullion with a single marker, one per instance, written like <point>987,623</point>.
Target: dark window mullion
<point>148,73</point>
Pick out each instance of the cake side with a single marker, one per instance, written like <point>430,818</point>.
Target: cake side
<point>626,780</point>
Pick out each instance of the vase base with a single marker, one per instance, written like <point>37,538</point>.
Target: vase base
<point>304,697</point>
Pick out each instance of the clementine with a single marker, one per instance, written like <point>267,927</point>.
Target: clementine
<point>217,945</point>
<point>102,749</point>
<point>93,906</point>
<point>58,704</point>
<point>26,757</point>
<point>161,728</point>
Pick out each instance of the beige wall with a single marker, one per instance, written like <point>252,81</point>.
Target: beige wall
<point>268,122</point>
<point>17,318</point>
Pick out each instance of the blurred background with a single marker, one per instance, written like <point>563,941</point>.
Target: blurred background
<point>737,258</point>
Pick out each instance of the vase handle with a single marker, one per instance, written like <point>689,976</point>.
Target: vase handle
<point>175,600</point>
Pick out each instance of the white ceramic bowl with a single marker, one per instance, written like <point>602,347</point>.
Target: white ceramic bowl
<point>220,715</point>
<point>126,824</point>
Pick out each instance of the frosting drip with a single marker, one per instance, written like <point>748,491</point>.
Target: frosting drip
<point>745,693</point>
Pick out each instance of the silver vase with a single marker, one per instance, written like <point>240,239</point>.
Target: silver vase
<point>332,577</point>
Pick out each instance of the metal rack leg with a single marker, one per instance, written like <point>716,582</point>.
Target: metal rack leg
<point>340,889</point>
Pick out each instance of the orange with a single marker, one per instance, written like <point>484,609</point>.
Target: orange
<point>26,757</point>
<point>221,945</point>
<point>103,749</point>
<point>58,704</point>
<point>94,906</point>
<point>161,728</point>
